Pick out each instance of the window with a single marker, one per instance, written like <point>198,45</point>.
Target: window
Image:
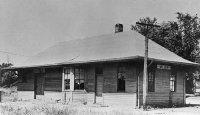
<point>173,81</point>
<point>79,79</point>
<point>151,81</point>
<point>121,78</point>
<point>74,79</point>
<point>67,78</point>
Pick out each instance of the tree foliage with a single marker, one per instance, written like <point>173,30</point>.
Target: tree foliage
<point>8,77</point>
<point>3,65</point>
<point>180,37</point>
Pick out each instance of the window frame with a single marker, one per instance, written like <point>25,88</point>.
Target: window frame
<point>79,74</point>
<point>66,74</point>
<point>73,80</point>
<point>151,88</point>
<point>174,81</point>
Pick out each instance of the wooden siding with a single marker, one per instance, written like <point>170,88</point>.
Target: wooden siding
<point>131,78</point>
<point>178,96</point>
<point>110,78</point>
<point>90,79</point>
<point>161,96</point>
<point>53,79</point>
<point>53,82</point>
<point>162,90</point>
<point>27,85</point>
<point>99,85</point>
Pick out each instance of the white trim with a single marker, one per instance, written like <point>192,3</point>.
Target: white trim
<point>63,79</point>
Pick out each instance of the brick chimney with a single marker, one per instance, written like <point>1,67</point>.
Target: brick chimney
<point>118,28</point>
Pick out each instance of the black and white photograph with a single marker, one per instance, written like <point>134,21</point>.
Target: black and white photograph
<point>99,57</point>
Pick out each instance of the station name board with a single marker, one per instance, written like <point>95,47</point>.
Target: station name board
<point>164,67</point>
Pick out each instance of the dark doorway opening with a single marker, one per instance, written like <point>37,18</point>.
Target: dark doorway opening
<point>121,78</point>
<point>99,80</point>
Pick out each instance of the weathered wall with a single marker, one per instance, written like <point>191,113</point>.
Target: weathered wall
<point>131,78</point>
<point>90,78</point>
<point>53,79</point>
<point>28,84</point>
<point>161,96</point>
<point>178,96</point>
<point>110,95</point>
<point>110,78</point>
<point>162,88</point>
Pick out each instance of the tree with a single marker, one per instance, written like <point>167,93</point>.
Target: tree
<point>8,77</point>
<point>3,65</point>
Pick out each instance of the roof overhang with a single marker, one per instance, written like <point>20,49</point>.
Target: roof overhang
<point>61,64</point>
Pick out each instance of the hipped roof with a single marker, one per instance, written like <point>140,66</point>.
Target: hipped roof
<point>110,47</point>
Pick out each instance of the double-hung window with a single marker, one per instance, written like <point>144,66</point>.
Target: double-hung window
<point>74,79</point>
<point>173,81</point>
<point>79,79</point>
<point>151,80</point>
<point>66,78</point>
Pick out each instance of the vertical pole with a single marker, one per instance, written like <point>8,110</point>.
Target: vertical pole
<point>145,64</point>
<point>1,81</point>
<point>137,87</point>
<point>145,71</point>
<point>64,98</point>
<point>71,96</point>
<point>184,102</point>
<point>95,87</point>
<point>145,74</point>
<point>35,86</point>
<point>138,92</point>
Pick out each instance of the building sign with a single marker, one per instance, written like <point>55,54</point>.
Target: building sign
<point>164,67</point>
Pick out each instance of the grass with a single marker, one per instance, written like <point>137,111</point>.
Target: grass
<point>9,94</point>
<point>38,107</point>
<point>12,106</point>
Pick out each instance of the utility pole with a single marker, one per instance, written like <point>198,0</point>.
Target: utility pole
<point>145,88</point>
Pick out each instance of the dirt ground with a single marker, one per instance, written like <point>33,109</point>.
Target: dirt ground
<point>39,107</point>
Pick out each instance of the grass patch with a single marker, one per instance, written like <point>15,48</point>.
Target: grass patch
<point>43,109</point>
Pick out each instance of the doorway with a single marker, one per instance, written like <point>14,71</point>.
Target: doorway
<point>121,79</point>
<point>99,81</point>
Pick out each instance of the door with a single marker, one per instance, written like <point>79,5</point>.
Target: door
<point>39,84</point>
<point>99,85</point>
<point>121,75</point>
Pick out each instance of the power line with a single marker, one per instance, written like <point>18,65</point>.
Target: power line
<point>6,52</point>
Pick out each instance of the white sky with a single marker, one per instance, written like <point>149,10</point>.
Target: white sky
<point>30,26</point>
